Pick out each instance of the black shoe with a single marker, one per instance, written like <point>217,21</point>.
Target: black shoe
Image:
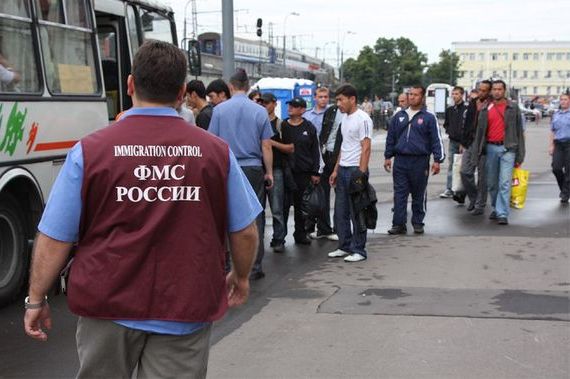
<point>471,206</point>
<point>398,229</point>
<point>502,221</point>
<point>493,216</point>
<point>256,275</point>
<point>459,198</point>
<point>564,199</point>
<point>278,248</point>
<point>418,228</point>
<point>302,241</point>
<point>478,212</point>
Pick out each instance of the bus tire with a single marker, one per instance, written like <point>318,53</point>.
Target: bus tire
<point>14,254</point>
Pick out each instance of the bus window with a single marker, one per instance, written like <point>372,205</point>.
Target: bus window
<point>156,26</point>
<point>68,54</point>
<point>50,10</point>
<point>109,60</point>
<point>76,12</point>
<point>133,30</point>
<point>18,69</point>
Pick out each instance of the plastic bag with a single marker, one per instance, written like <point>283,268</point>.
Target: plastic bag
<point>456,183</point>
<point>519,187</point>
<point>313,201</point>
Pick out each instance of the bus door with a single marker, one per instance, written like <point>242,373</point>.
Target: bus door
<point>115,53</point>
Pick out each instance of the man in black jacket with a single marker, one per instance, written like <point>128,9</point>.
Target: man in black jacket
<point>471,162</point>
<point>453,125</point>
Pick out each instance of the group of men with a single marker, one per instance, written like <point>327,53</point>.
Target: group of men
<point>488,132</point>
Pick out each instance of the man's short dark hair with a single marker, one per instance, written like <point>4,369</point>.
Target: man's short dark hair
<point>420,87</point>
<point>218,86</point>
<point>487,82</point>
<point>159,71</point>
<point>196,86</point>
<point>347,90</point>
<point>239,80</point>
<point>253,94</point>
<point>460,89</point>
<point>499,81</point>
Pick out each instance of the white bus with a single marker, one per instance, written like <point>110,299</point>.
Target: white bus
<point>63,70</point>
<point>438,98</point>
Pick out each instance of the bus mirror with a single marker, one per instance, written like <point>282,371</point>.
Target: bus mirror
<point>147,22</point>
<point>194,58</point>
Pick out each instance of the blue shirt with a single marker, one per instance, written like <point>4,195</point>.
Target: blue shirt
<point>243,124</point>
<point>316,118</point>
<point>61,216</point>
<point>561,125</point>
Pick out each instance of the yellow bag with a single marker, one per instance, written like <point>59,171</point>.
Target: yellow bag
<point>519,187</point>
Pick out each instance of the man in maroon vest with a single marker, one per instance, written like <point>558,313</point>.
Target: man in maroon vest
<point>150,203</point>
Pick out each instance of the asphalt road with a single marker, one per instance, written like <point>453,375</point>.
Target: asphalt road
<point>505,276</point>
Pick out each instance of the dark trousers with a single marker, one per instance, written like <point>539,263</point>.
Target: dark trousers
<point>476,190</point>
<point>561,166</point>
<point>255,176</point>
<point>324,221</point>
<point>295,198</point>
<point>410,176</point>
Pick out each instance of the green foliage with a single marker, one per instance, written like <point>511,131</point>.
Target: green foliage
<point>444,71</point>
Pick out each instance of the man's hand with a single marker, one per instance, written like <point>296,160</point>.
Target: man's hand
<point>517,165</point>
<point>35,320</point>
<point>315,179</point>
<point>332,179</point>
<point>388,165</point>
<point>435,168</point>
<point>461,149</point>
<point>238,289</point>
<point>268,180</point>
<point>551,149</point>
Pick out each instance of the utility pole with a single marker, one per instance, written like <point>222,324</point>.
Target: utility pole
<point>228,38</point>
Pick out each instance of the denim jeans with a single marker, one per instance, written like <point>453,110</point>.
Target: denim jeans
<point>453,149</point>
<point>255,176</point>
<point>499,169</point>
<point>349,240</point>
<point>277,203</point>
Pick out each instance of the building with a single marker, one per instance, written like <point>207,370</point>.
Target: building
<point>534,68</point>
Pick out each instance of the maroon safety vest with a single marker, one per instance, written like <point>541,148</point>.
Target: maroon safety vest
<point>153,223</point>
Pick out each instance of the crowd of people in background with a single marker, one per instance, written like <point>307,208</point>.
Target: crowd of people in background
<point>329,146</point>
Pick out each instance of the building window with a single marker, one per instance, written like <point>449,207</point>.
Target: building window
<point>558,89</point>
<point>480,75</point>
<point>548,90</point>
<point>506,56</point>
<point>525,74</point>
<point>568,56</point>
<point>515,56</point>
<point>535,74</point>
<point>471,74</point>
<point>549,56</point>
<point>494,56</point>
<point>559,56</point>
<point>515,74</point>
<point>534,90</point>
<point>472,56</point>
<point>548,74</point>
<point>535,56</point>
<point>526,56</point>
<point>481,56</point>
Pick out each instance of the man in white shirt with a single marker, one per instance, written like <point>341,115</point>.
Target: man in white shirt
<point>356,129</point>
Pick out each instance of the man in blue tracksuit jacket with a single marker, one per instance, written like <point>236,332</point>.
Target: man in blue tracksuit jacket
<point>412,137</point>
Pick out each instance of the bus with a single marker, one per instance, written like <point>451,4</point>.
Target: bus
<point>438,98</point>
<point>63,71</point>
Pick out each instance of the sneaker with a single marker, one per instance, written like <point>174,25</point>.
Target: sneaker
<point>332,237</point>
<point>398,229</point>
<point>355,258</point>
<point>338,253</point>
<point>471,206</point>
<point>315,236</point>
<point>564,198</point>
<point>459,198</point>
<point>478,212</point>
<point>493,216</point>
<point>418,228</point>
<point>257,275</point>
<point>502,221</point>
<point>447,194</point>
<point>278,248</point>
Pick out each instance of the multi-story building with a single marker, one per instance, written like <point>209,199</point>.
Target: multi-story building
<point>534,68</point>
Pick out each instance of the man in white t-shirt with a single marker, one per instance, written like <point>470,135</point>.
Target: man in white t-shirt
<point>356,130</point>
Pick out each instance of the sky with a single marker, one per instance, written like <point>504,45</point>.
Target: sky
<point>432,25</point>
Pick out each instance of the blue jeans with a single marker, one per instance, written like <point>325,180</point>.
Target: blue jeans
<point>499,169</point>
<point>453,149</point>
<point>349,240</point>
<point>277,203</point>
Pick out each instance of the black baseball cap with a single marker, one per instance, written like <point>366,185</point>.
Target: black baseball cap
<point>268,97</point>
<point>297,102</point>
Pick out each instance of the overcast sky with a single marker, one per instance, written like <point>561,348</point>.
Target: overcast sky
<point>431,24</point>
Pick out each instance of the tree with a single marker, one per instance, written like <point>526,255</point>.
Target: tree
<point>391,64</point>
<point>444,71</point>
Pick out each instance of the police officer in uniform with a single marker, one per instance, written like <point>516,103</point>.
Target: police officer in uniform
<point>150,204</point>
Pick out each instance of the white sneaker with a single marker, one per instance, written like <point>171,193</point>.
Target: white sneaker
<point>314,236</point>
<point>354,258</point>
<point>338,253</point>
<point>332,237</point>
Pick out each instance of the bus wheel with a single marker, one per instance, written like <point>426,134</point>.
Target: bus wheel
<point>13,249</point>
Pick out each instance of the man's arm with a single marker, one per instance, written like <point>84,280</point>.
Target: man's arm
<point>521,148</point>
<point>267,160</point>
<point>365,155</point>
<point>551,143</point>
<point>243,247</point>
<point>286,148</point>
<point>48,259</point>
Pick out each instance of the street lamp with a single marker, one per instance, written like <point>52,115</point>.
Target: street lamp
<point>284,35</point>
<point>325,50</point>
<point>185,9</point>
<point>341,71</point>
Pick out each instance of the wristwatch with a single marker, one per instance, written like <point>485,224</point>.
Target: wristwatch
<point>28,305</point>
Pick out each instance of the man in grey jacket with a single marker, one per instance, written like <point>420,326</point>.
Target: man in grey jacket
<point>500,136</point>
